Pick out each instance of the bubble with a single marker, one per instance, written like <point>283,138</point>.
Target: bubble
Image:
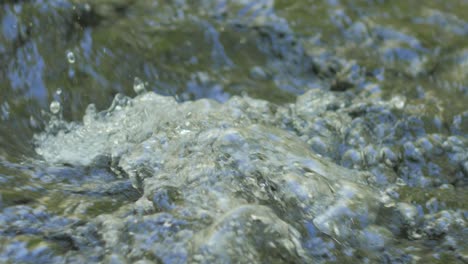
<point>58,92</point>
<point>71,57</point>
<point>138,86</point>
<point>54,107</point>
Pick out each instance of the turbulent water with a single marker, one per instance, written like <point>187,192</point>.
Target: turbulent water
<point>260,132</point>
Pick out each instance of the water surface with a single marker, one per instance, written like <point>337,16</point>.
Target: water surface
<point>222,131</point>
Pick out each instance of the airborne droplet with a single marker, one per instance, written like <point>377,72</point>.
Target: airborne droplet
<point>138,86</point>
<point>70,57</point>
<point>55,107</point>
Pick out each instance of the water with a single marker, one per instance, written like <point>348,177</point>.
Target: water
<point>233,131</point>
<point>55,107</point>
<point>138,85</point>
<point>71,57</point>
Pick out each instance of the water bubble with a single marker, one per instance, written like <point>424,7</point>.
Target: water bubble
<point>71,57</point>
<point>138,86</point>
<point>55,107</point>
<point>58,92</point>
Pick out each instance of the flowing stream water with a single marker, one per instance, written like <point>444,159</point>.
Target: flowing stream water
<point>216,131</point>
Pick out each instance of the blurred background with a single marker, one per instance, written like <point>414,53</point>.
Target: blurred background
<point>80,52</point>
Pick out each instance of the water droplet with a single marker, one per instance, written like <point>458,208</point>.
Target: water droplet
<point>54,107</point>
<point>70,57</point>
<point>138,86</point>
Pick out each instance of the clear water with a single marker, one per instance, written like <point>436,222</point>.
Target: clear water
<point>233,131</point>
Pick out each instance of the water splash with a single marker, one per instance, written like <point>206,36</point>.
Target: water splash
<point>71,57</point>
<point>55,107</point>
<point>138,86</point>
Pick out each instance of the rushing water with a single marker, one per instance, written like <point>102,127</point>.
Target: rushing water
<point>238,131</point>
